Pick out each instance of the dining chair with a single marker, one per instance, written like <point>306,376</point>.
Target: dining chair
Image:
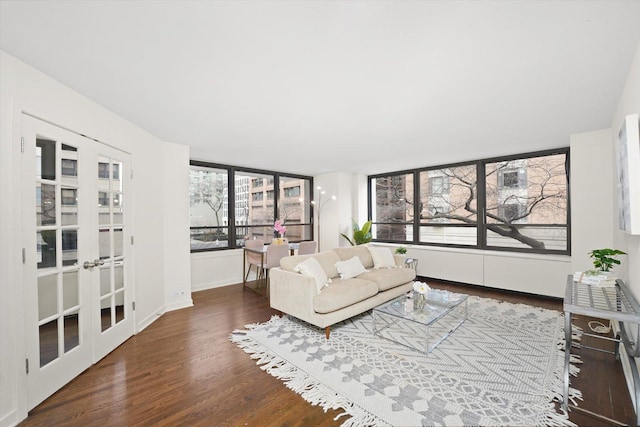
<point>254,259</point>
<point>307,247</point>
<point>274,254</point>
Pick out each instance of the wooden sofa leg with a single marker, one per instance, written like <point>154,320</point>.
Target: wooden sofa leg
<point>327,331</point>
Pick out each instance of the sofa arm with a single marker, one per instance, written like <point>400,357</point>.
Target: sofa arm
<point>292,293</point>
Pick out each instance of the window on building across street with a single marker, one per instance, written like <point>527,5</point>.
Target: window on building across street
<point>69,167</point>
<point>292,191</point>
<point>103,170</point>
<point>224,217</point>
<point>515,203</point>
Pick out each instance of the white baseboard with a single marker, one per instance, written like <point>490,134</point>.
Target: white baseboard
<point>212,285</point>
<point>150,319</point>
<point>10,419</point>
<point>179,304</point>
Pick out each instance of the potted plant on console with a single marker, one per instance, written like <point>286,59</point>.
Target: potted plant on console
<point>603,262</point>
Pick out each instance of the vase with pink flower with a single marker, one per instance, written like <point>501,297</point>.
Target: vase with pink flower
<point>278,232</point>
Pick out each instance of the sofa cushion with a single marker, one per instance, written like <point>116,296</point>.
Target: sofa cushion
<point>343,293</point>
<point>387,278</point>
<point>361,251</point>
<point>350,268</point>
<point>312,268</point>
<point>326,259</point>
<point>382,257</point>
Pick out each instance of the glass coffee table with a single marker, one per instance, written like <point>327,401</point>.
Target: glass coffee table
<point>423,328</point>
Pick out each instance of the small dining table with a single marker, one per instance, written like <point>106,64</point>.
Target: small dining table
<point>293,247</point>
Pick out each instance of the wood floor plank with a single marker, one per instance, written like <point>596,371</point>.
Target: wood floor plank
<point>183,370</point>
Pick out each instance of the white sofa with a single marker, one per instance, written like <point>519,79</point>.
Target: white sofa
<point>297,294</point>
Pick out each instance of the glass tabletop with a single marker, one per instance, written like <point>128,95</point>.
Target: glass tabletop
<point>437,305</point>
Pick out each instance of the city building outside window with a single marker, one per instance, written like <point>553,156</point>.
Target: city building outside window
<point>223,217</point>
<point>392,207</point>
<point>516,203</point>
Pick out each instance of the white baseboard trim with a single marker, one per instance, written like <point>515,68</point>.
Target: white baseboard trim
<point>150,319</point>
<point>179,304</point>
<point>212,285</point>
<point>10,419</point>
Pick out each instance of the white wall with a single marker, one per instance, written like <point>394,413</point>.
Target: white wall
<point>592,166</point>
<point>177,261</point>
<point>215,269</point>
<point>160,231</point>
<point>629,104</point>
<point>531,273</point>
<point>335,216</point>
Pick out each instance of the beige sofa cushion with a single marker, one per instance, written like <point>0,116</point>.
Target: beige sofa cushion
<point>382,257</point>
<point>326,259</point>
<point>312,268</point>
<point>350,268</point>
<point>360,251</point>
<point>387,278</point>
<point>342,293</point>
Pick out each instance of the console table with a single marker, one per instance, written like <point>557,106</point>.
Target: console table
<point>614,303</point>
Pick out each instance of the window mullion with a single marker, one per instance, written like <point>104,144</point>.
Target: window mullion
<point>416,206</point>
<point>481,200</point>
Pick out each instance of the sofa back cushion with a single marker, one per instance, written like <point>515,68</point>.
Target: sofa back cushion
<point>382,257</point>
<point>327,261</point>
<point>361,251</point>
<point>350,268</point>
<point>311,267</point>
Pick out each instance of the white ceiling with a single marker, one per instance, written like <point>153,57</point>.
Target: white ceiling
<point>352,86</point>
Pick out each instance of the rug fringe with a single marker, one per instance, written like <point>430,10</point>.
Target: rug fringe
<point>310,389</point>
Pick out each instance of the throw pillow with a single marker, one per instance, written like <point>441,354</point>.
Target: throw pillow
<point>382,257</point>
<point>350,268</point>
<point>312,268</point>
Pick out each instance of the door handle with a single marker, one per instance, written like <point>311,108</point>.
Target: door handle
<point>88,265</point>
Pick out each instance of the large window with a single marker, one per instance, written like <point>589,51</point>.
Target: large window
<point>393,211</point>
<point>208,202</point>
<point>517,203</point>
<point>230,205</point>
<point>448,205</point>
<point>294,207</point>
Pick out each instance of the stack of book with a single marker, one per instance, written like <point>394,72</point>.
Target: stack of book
<point>594,278</point>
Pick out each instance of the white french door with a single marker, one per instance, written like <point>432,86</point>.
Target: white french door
<point>77,261</point>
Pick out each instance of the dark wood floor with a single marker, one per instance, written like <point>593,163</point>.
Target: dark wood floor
<point>183,370</point>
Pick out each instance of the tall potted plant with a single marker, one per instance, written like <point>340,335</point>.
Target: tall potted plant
<point>360,235</point>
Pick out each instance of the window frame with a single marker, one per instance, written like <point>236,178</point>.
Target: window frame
<point>370,189</point>
<point>274,179</point>
<point>481,225</point>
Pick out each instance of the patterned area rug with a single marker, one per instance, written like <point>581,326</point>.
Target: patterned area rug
<point>502,367</point>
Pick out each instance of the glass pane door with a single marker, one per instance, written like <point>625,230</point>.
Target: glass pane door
<point>57,301</point>
<point>111,242</point>
<point>77,270</point>
<point>57,248</point>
